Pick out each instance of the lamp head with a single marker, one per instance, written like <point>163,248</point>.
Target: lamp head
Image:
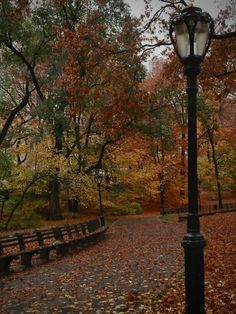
<point>99,175</point>
<point>191,32</point>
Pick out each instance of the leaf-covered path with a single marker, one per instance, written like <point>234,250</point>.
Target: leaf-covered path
<point>135,256</point>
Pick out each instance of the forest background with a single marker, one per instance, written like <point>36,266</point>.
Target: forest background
<point>75,97</point>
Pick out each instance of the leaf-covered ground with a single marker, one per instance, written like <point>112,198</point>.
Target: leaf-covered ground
<point>137,268</point>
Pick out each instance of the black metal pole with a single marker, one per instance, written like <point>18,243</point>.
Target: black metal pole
<point>193,242</point>
<point>100,205</point>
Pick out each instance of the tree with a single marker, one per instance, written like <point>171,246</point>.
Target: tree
<point>210,126</point>
<point>217,108</point>
<point>77,118</point>
<point>102,85</point>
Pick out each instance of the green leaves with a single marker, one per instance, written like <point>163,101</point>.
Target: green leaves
<point>6,163</point>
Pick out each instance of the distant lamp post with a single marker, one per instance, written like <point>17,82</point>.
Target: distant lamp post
<point>99,177</point>
<point>191,33</point>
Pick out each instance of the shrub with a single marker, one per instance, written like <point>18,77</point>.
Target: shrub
<point>25,219</point>
<point>138,208</point>
<point>130,209</point>
<point>25,216</point>
<point>71,214</point>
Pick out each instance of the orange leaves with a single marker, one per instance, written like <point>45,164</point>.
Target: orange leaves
<point>219,69</point>
<point>98,76</point>
<point>220,263</point>
<point>17,10</point>
<point>219,266</point>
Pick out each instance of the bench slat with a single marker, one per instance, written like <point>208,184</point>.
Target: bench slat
<point>61,238</point>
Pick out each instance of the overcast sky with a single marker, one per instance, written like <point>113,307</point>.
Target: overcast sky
<point>211,6</point>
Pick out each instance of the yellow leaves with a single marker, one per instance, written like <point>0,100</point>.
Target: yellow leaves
<point>86,187</point>
<point>20,177</point>
<point>42,157</point>
<point>22,149</point>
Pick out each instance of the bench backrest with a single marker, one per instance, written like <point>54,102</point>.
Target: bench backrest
<point>40,237</point>
<point>93,225</point>
<point>203,208</point>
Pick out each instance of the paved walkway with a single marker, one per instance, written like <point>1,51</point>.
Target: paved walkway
<point>136,256</point>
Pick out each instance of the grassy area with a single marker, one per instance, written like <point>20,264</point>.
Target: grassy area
<point>169,217</point>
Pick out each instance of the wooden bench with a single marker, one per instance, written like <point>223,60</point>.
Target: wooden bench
<point>61,239</point>
<point>202,209</point>
<point>212,210</point>
<point>177,210</point>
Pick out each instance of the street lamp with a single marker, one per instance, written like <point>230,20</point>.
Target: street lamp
<point>99,177</point>
<point>191,33</point>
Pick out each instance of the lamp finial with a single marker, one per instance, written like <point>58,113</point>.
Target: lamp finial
<point>189,5</point>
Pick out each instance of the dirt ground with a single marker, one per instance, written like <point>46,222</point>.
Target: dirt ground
<point>135,256</point>
<point>137,268</point>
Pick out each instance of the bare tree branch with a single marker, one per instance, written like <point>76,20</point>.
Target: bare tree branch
<point>9,44</point>
<point>224,36</point>
<point>13,113</point>
<point>150,46</point>
<point>32,182</point>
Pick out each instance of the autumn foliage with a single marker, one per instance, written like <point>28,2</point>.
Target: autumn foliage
<point>76,97</point>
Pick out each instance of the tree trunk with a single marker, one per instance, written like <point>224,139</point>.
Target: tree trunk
<point>54,184</point>
<point>2,208</point>
<point>183,154</point>
<point>54,204</point>
<point>214,159</point>
<point>162,179</point>
<point>73,206</point>
<point>182,192</point>
<point>162,200</point>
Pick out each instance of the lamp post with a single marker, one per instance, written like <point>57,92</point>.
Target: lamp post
<point>99,178</point>
<point>191,33</point>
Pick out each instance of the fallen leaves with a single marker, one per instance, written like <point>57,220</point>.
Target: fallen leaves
<point>136,269</point>
<point>220,270</point>
<point>133,259</point>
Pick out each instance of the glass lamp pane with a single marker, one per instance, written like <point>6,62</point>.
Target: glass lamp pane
<point>99,180</point>
<point>202,32</point>
<point>182,40</point>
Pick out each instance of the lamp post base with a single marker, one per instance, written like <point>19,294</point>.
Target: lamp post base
<point>193,244</point>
